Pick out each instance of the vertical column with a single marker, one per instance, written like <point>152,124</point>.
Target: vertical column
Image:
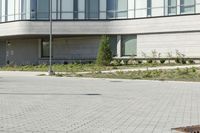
<point>119,46</point>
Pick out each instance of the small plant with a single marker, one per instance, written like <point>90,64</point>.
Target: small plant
<point>154,54</point>
<point>190,61</point>
<point>194,69</point>
<point>144,54</point>
<point>162,61</point>
<point>125,62</point>
<point>104,54</point>
<point>183,61</point>
<point>178,60</point>
<point>169,55</point>
<point>150,61</point>
<point>118,62</point>
<point>139,61</point>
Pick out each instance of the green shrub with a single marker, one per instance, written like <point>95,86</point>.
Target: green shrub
<point>104,56</point>
<point>194,69</point>
<point>183,61</point>
<point>139,61</point>
<point>150,61</point>
<point>162,61</point>
<point>125,62</point>
<point>190,61</point>
<point>178,60</point>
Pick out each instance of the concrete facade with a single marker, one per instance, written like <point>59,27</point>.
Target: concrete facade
<point>79,40</point>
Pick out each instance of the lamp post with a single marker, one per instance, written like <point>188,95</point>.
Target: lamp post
<point>50,71</point>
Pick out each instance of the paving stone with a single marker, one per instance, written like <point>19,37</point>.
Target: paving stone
<point>35,104</point>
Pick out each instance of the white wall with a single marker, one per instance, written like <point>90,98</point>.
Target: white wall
<point>186,43</point>
<point>189,23</point>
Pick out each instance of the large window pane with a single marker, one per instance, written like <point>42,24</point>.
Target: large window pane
<point>102,9</point>
<point>10,10</point>
<point>67,9</point>
<point>141,8</point>
<point>45,48</point>
<point>0,10</point>
<point>172,7</point>
<point>75,9</point>
<point>113,44</point>
<point>157,7</point>
<point>111,8</point>
<point>33,9</point>
<point>197,6</point>
<point>117,8</point>
<point>122,8</point>
<point>129,45</point>
<point>92,9</point>
<point>131,8</point>
<point>81,9</point>
<point>17,9</point>
<point>149,6</point>
<point>43,9</point>
<point>187,6</point>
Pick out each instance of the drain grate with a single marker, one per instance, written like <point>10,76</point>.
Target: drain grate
<point>188,129</point>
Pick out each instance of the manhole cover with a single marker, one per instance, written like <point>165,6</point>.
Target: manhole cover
<point>188,129</point>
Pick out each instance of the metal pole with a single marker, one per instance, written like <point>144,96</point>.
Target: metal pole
<point>50,71</point>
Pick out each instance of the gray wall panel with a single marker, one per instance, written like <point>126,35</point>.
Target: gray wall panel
<point>23,51</point>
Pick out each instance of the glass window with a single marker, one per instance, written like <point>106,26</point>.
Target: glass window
<point>122,8</point>
<point>81,9</point>
<point>117,8</point>
<point>92,9</point>
<point>0,10</point>
<point>45,48</point>
<point>33,9</point>
<point>187,6</point>
<point>23,9</point>
<point>172,7</point>
<point>102,10</point>
<point>111,8</point>
<point>149,6</point>
<point>43,9</point>
<point>157,8</point>
<point>75,9</point>
<point>10,10</point>
<point>141,8</point>
<point>17,9</point>
<point>67,9</point>
<point>131,8</point>
<point>3,11</point>
<point>129,45</point>
<point>113,44</point>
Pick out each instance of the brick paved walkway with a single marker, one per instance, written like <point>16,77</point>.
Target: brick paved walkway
<point>33,104</point>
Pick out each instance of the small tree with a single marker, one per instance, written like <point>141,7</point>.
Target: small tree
<point>104,56</point>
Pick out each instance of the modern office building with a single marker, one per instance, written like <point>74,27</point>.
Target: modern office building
<point>134,27</point>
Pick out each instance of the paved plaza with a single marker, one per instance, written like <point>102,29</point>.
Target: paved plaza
<point>42,104</point>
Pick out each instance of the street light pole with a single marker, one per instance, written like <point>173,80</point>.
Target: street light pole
<point>50,71</point>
